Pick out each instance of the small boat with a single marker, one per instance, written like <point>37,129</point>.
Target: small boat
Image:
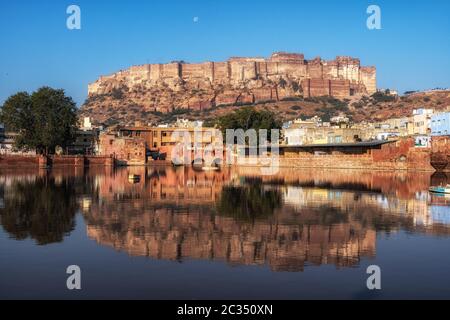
<point>440,189</point>
<point>134,177</point>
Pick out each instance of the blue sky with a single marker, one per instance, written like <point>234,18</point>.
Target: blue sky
<point>411,51</point>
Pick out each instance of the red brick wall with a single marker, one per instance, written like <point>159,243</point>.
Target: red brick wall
<point>19,161</point>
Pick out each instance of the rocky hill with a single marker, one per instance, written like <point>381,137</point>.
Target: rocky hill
<point>285,83</point>
<point>376,108</point>
<point>154,91</point>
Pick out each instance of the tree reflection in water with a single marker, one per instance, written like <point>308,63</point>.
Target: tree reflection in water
<point>288,221</point>
<point>41,209</point>
<point>248,202</point>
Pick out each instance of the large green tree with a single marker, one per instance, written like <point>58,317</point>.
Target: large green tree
<point>249,118</point>
<point>45,119</point>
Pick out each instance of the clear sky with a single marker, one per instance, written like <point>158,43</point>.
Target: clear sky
<point>411,51</point>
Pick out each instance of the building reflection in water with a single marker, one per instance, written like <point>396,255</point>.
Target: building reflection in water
<point>286,221</point>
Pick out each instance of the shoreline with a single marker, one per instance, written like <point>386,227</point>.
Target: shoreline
<point>296,163</point>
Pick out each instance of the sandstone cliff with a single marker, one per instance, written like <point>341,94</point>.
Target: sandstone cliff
<point>148,91</point>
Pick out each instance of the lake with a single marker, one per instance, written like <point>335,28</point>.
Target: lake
<point>181,233</point>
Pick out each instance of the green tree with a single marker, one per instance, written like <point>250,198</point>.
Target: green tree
<point>45,119</point>
<point>248,118</point>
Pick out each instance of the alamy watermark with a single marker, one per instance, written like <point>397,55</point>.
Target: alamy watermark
<point>73,22</point>
<point>374,280</point>
<point>374,20</point>
<point>206,147</point>
<point>74,280</point>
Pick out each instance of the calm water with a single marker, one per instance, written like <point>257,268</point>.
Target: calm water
<point>234,234</point>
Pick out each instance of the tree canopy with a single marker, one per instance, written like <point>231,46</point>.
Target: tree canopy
<point>249,118</point>
<point>43,120</point>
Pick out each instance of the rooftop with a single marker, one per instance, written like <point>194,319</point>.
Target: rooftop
<point>364,144</point>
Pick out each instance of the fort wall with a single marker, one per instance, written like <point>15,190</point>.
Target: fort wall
<point>326,77</point>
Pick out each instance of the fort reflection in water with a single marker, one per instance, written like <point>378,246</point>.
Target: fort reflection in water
<point>285,221</point>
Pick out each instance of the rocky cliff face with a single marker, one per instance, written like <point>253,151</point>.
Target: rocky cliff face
<point>153,89</point>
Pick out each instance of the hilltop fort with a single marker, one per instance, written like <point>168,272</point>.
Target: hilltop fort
<point>237,81</point>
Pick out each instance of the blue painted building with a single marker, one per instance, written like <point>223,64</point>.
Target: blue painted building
<point>440,124</point>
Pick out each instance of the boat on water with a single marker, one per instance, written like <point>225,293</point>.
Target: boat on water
<point>440,189</point>
<point>134,178</point>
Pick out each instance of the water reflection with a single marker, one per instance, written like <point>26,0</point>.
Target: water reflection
<point>286,221</point>
<point>40,208</point>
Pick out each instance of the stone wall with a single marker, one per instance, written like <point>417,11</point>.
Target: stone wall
<point>19,161</point>
<point>22,161</point>
<point>399,155</point>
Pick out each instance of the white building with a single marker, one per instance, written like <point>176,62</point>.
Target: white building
<point>421,121</point>
<point>423,141</point>
<point>294,136</point>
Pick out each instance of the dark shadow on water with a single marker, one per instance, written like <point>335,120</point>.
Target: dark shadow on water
<point>43,210</point>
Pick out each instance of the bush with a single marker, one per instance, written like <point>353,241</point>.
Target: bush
<point>358,105</point>
<point>117,94</point>
<point>296,108</point>
<point>382,97</point>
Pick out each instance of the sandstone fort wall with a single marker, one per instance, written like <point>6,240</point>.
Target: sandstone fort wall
<point>318,77</point>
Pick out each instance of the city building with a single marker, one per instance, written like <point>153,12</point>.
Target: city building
<point>164,139</point>
<point>321,135</point>
<point>440,124</point>
<point>7,139</point>
<point>140,144</point>
<point>396,123</point>
<point>421,120</point>
<point>126,150</point>
<point>422,141</point>
<point>340,119</point>
<point>86,139</point>
<point>387,135</point>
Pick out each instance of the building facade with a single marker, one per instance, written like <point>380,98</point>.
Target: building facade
<point>440,124</point>
<point>126,151</point>
<point>421,121</point>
